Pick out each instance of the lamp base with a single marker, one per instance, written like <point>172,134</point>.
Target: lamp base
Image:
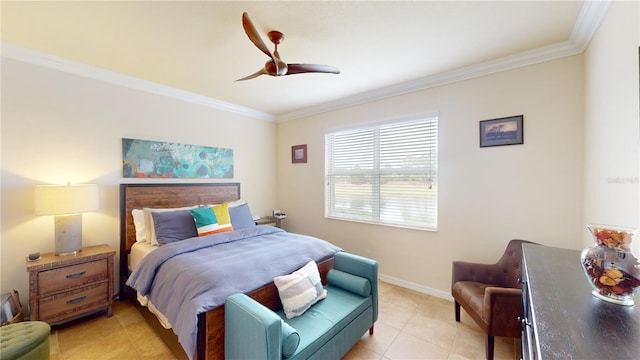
<point>68,234</point>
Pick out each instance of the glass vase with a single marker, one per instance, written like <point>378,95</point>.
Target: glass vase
<point>611,264</point>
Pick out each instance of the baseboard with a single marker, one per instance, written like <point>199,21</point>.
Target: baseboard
<point>416,287</point>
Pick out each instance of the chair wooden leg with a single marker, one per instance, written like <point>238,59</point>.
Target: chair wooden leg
<point>371,330</point>
<point>457,307</point>
<point>489,345</point>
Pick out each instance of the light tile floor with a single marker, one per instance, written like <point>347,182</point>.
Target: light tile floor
<point>410,325</point>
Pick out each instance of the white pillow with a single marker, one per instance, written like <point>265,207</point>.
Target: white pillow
<point>138,223</point>
<point>149,226</point>
<point>299,290</point>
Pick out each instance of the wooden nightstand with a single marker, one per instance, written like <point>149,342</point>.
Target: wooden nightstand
<point>269,220</point>
<point>66,287</point>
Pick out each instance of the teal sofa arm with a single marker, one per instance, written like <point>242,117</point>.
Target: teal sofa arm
<point>252,331</point>
<point>363,267</point>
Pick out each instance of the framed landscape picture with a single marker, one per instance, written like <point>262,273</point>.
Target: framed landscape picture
<point>502,131</point>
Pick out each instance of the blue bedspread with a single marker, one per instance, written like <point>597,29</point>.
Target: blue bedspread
<point>192,276</point>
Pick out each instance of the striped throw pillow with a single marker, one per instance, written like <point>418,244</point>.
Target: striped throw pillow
<point>207,222</point>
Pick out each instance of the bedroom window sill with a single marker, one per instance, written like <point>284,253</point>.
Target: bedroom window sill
<point>430,229</point>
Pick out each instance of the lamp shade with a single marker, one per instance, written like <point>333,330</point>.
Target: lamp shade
<point>66,199</point>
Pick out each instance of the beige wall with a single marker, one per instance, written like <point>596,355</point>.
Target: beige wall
<point>58,127</point>
<point>487,196</point>
<point>612,126</point>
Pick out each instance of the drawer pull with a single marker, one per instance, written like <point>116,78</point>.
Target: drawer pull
<point>76,275</point>
<point>76,300</point>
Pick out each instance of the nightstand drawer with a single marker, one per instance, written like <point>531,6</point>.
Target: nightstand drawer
<point>55,280</point>
<point>79,301</point>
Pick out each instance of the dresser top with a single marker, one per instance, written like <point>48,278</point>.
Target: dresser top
<point>51,260</point>
<point>569,322</point>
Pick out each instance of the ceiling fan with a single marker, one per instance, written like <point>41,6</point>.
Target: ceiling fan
<point>275,66</point>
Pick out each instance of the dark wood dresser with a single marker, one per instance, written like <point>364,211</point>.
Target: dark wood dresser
<point>562,320</point>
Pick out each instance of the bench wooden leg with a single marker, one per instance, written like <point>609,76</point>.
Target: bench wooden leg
<point>371,330</point>
<point>457,307</point>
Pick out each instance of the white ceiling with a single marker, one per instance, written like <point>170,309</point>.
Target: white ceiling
<point>381,47</point>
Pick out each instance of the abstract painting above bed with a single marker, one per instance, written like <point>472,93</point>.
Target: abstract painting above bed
<point>158,159</point>
<point>186,278</point>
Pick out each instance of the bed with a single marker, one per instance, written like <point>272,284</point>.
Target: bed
<point>210,324</point>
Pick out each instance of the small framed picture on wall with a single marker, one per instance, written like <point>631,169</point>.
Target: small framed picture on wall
<point>502,131</point>
<point>299,154</point>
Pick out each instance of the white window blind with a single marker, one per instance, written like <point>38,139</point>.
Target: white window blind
<point>384,174</point>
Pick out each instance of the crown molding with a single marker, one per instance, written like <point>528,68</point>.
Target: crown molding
<point>547,53</point>
<point>589,19</point>
<point>15,52</point>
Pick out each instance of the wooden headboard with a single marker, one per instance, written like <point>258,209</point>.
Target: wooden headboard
<point>138,196</point>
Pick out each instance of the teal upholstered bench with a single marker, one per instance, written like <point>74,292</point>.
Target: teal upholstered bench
<point>325,331</point>
<point>27,340</point>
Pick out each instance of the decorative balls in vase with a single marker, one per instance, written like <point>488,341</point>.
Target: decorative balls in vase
<point>611,264</point>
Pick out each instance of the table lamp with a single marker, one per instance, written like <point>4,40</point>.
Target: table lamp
<point>67,203</point>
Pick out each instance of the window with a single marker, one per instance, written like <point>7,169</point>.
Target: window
<point>385,173</point>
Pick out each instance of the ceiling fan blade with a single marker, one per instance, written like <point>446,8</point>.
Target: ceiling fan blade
<point>255,75</point>
<point>253,35</point>
<point>255,38</point>
<point>311,68</point>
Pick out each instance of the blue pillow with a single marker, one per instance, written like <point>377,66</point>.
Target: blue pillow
<point>172,226</point>
<point>241,216</point>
